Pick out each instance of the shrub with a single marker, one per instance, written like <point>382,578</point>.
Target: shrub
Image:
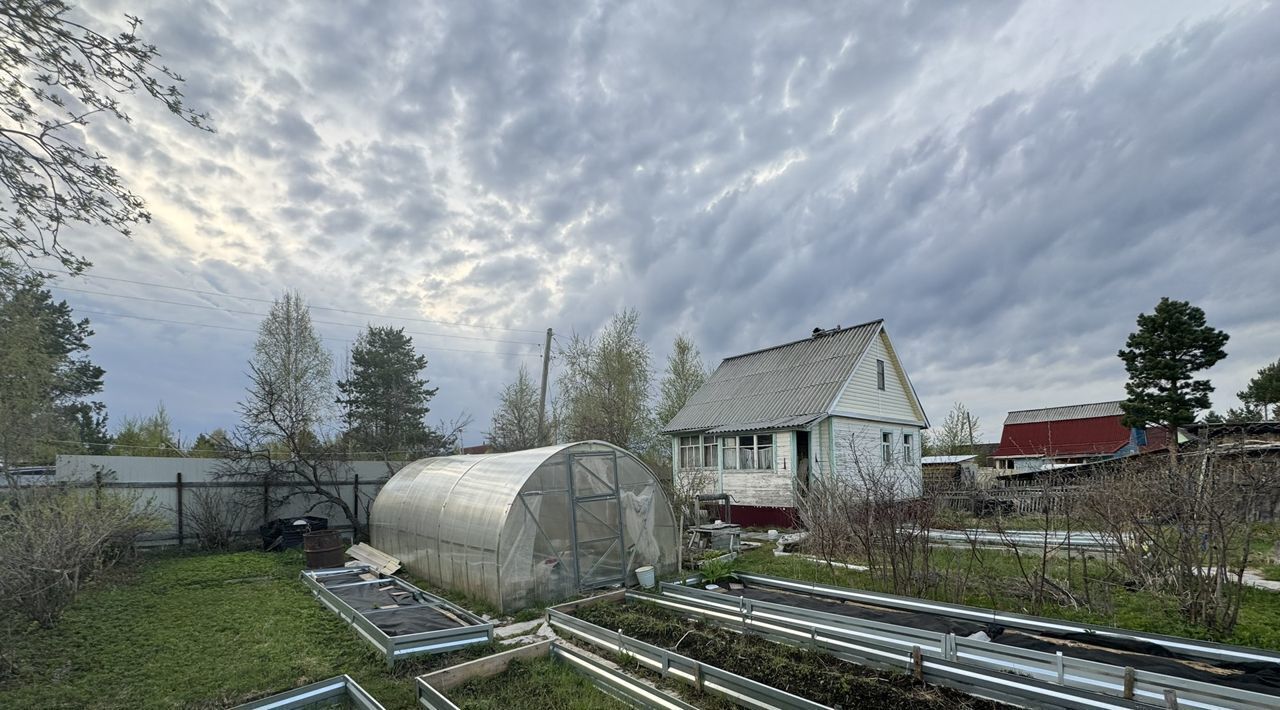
<point>54,539</point>
<point>216,516</point>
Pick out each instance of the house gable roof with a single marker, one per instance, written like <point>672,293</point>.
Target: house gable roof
<point>785,383</point>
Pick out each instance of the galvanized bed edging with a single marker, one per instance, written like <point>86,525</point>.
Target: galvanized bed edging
<point>1207,650</point>
<point>397,648</point>
<point>870,643</point>
<point>878,652</point>
<point>609,680</point>
<point>705,677</point>
<point>337,689</point>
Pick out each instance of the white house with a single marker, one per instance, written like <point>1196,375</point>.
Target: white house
<point>768,420</point>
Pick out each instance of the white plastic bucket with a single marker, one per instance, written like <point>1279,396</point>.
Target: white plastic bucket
<point>645,576</point>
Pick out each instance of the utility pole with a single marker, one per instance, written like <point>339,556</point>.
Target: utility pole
<point>542,398</point>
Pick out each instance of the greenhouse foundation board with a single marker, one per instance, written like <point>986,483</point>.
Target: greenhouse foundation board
<point>399,619</point>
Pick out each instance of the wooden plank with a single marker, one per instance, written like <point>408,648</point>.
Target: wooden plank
<point>453,676</point>
<point>374,557</point>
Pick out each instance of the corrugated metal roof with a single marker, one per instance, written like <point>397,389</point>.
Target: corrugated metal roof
<point>1057,414</point>
<point>779,384</point>
<point>957,458</point>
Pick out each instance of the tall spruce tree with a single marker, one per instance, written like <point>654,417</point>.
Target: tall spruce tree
<point>385,399</point>
<point>1171,344</point>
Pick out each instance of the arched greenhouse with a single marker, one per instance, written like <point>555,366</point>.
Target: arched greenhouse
<point>527,527</point>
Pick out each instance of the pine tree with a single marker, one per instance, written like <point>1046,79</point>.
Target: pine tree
<point>1161,357</point>
<point>1263,391</point>
<point>46,377</point>
<point>385,399</point>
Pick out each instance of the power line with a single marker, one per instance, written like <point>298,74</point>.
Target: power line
<point>251,330</point>
<point>264,315</point>
<point>316,308</point>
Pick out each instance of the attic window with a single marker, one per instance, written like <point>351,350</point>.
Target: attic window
<point>880,375</point>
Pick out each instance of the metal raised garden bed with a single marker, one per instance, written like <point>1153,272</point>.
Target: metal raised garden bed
<point>337,691</point>
<point>608,678</point>
<point>399,619</point>
<point>1064,681</point>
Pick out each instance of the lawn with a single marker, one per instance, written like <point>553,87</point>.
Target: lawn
<point>199,631</point>
<point>995,585</point>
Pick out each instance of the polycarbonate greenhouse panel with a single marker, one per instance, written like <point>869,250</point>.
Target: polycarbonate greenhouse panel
<point>528,527</point>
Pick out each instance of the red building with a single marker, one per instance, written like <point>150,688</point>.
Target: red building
<point>1056,437</point>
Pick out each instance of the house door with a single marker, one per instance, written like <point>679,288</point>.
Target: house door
<point>599,555</point>
<point>802,462</point>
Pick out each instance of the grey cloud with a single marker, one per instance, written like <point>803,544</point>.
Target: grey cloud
<point>630,156</point>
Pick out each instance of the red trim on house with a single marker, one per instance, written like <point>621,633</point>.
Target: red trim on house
<point>761,516</point>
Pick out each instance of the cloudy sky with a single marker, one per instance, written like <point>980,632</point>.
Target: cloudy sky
<point>1007,184</point>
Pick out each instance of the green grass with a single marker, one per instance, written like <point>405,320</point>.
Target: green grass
<point>199,631</point>
<point>994,584</point>
<point>533,684</point>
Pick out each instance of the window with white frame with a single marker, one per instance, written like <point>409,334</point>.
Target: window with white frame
<point>908,448</point>
<point>886,446</point>
<point>749,452</point>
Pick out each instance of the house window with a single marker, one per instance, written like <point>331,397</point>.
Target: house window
<point>709,452</point>
<point>880,375</point>
<point>690,452</point>
<point>908,448</point>
<point>748,452</point>
<point>886,446</point>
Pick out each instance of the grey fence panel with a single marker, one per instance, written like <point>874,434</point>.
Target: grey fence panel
<point>859,641</point>
<point>707,678</point>
<point>171,485</point>
<point>1190,647</point>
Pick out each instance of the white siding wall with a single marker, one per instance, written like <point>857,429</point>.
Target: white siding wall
<point>860,440</point>
<point>769,488</point>
<point>863,397</point>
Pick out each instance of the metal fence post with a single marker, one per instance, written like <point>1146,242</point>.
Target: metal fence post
<point>917,663</point>
<point>1062,669</point>
<point>97,488</point>
<point>177,487</point>
<point>355,509</point>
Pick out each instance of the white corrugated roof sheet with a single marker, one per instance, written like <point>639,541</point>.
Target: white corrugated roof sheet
<point>957,458</point>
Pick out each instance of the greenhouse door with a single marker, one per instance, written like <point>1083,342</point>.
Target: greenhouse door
<point>597,519</point>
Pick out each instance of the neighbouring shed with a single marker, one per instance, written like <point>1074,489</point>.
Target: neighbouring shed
<point>527,527</point>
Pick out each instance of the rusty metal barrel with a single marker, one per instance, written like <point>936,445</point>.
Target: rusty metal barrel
<point>323,549</point>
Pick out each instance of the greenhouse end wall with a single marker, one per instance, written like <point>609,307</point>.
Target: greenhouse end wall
<point>528,527</point>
